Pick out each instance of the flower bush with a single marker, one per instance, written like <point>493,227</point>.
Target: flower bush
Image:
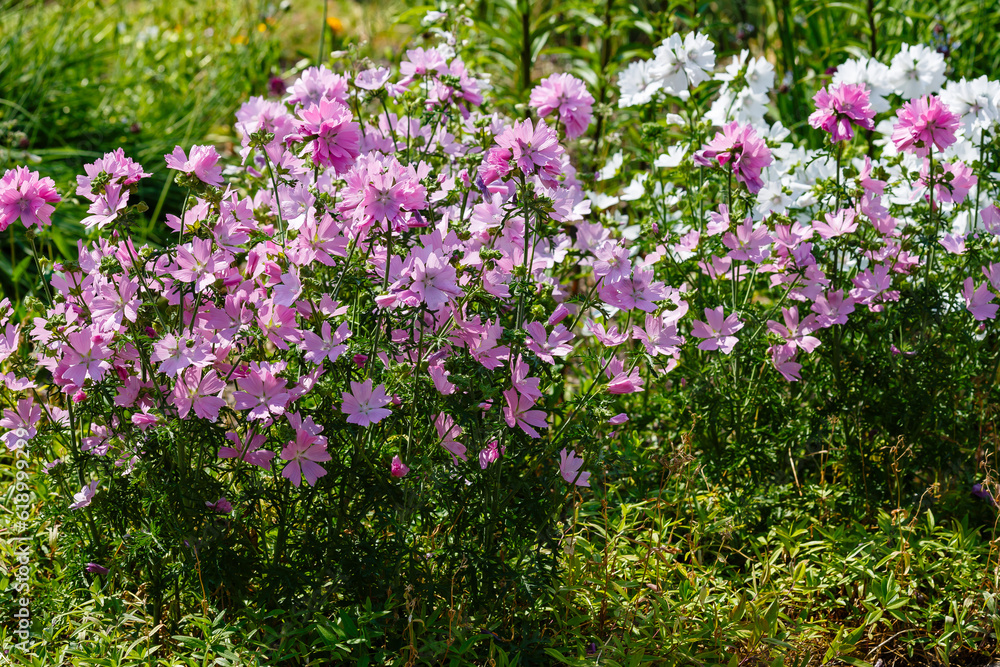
<point>395,335</point>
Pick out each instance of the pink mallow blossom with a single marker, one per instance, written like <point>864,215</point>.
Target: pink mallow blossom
<point>923,123</point>
<point>717,331</point>
<point>979,301</point>
<point>203,163</point>
<point>398,468</point>
<point>262,394</point>
<point>84,497</point>
<point>567,95</point>
<point>26,196</point>
<point>741,148</point>
<point>365,406</point>
<point>304,456</point>
<point>518,413</point>
<point>336,137</point>
<point>623,381</point>
<point>952,184</point>
<point>840,108</point>
<point>569,468</point>
<point>535,149</point>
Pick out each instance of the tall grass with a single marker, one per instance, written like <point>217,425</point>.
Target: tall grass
<point>79,79</point>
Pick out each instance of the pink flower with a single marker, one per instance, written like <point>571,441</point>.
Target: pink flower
<point>922,123</point>
<point>795,333</point>
<point>85,356</point>
<point>783,360</point>
<point>221,506</point>
<point>328,346</point>
<point>21,423</point>
<point>316,84</point>
<point>84,497</point>
<point>489,454</point>
<point>262,393</point>
<point>953,243</point>
<point>659,336</point>
<point>547,347</point>
<point>202,163</point>
<point>952,184</point>
<point>398,468</point>
<point>199,264</point>
<point>739,145</point>
<point>609,338</point>
<point>304,457</point>
<point>748,243</point>
<point>248,449</point>
<point>26,196</point>
<point>871,287</point>
<point>979,301</point>
<point>518,413</point>
<point>991,219</point>
<point>841,108</point>
<point>365,406</point>
<point>567,95</point>
<point>448,431</point>
<point>622,381</point>
<point>526,386</point>
<point>336,137</point>
<point>534,148</point>
<point>434,281</point>
<point>372,79</point>
<point>832,308</point>
<point>837,224</point>
<point>440,377</point>
<point>381,190</point>
<point>199,393</point>
<point>718,331</point>
<point>569,468</point>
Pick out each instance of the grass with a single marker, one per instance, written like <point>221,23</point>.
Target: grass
<point>82,78</point>
<point>678,573</point>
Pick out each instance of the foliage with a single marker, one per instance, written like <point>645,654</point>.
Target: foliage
<point>85,77</point>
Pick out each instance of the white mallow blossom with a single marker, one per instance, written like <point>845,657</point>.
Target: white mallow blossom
<point>771,198</point>
<point>917,70</point>
<point>637,85</point>
<point>668,68</point>
<point>677,64</point>
<point>672,158</point>
<point>697,57</point>
<point>611,167</point>
<point>873,74</point>
<point>976,102</point>
<point>753,78</point>
<point>635,189</point>
<point>757,72</point>
<point>745,107</point>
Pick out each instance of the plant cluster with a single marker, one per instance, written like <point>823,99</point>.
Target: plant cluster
<point>388,345</point>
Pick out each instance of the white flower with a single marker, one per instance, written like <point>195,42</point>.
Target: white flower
<point>771,199</point>
<point>668,67</point>
<point>611,167</point>
<point>870,72</point>
<point>976,102</point>
<point>601,201</point>
<point>697,57</point>
<point>744,107</point>
<point>760,76</point>
<point>672,158</point>
<point>917,70</point>
<point>636,85</point>
<point>636,188</point>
